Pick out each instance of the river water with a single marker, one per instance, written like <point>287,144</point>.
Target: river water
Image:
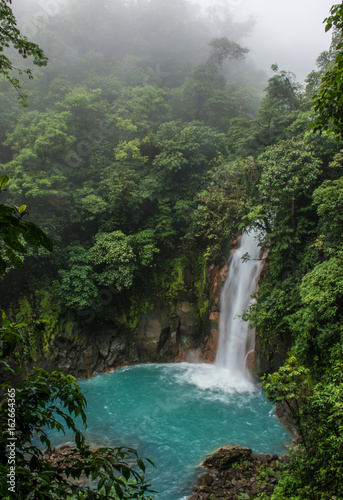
<point>170,415</point>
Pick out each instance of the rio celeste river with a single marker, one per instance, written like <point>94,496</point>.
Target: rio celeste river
<point>175,414</point>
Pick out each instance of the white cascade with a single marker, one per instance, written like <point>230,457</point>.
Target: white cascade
<point>229,372</point>
<point>235,338</point>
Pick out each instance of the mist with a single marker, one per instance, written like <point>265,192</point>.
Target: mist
<point>291,34</point>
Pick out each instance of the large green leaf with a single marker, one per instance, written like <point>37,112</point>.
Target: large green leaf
<point>14,259</point>
<point>3,181</point>
<point>5,211</point>
<point>14,244</point>
<point>35,236</point>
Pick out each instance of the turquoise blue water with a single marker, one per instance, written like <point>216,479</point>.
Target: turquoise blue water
<point>175,414</point>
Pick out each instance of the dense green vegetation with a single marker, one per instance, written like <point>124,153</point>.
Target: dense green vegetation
<point>115,153</point>
<point>144,152</point>
<point>31,405</point>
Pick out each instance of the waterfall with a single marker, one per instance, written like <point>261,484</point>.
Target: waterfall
<point>229,373</point>
<point>236,339</point>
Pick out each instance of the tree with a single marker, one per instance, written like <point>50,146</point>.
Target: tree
<point>223,205</point>
<point>76,283</point>
<point>289,173</point>
<point>205,89</point>
<point>115,259</point>
<point>184,151</point>
<point>117,256</point>
<point>328,101</point>
<point>10,37</point>
<point>280,107</point>
<point>316,464</point>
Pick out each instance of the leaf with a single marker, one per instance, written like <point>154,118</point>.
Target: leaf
<point>22,209</point>
<point>126,473</point>
<point>14,259</point>
<point>2,266</point>
<point>6,211</point>
<point>33,463</point>
<point>79,439</point>
<point>119,491</point>
<point>3,181</point>
<point>141,464</point>
<point>14,244</point>
<point>35,236</point>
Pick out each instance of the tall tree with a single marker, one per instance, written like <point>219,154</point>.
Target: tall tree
<point>328,102</point>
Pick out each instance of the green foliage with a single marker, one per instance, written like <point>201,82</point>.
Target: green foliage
<point>328,102</point>
<point>76,284</point>
<point>289,171</point>
<point>144,245</point>
<point>222,48</point>
<point>316,465</point>
<point>320,317</point>
<point>223,205</point>
<point>290,385</point>
<point>15,232</point>
<point>173,279</point>
<point>328,200</point>
<point>39,307</point>
<point>10,37</point>
<point>52,401</point>
<point>117,256</point>
<point>200,289</point>
<point>280,107</point>
<point>186,149</point>
<point>114,255</point>
<point>11,335</point>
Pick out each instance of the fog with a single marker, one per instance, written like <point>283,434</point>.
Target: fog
<point>290,33</point>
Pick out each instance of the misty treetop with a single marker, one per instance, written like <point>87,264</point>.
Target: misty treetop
<point>128,131</point>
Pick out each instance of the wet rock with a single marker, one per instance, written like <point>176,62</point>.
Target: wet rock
<point>225,456</point>
<point>205,479</point>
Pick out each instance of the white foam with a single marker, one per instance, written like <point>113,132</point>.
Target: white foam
<point>213,378</point>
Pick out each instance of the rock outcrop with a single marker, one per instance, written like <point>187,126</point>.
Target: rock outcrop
<point>164,334</point>
<point>235,473</point>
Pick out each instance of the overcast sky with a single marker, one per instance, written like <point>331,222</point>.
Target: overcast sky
<point>287,32</point>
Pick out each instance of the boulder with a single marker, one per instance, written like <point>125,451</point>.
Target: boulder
<point>205,479</point>
<point>224,457</point>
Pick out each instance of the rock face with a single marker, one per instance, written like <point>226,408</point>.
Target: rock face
<point>166,334</point>
<point>88,351</point>
<point>163,335</point>
<point>208,348</point>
